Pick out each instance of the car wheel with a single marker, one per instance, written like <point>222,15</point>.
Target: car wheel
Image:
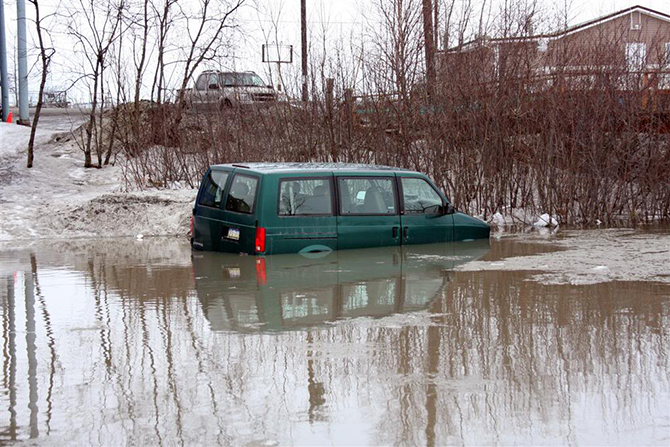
<point>225,105</point>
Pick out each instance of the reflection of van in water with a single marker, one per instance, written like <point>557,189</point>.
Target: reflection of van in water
<point>279,293</point>
<point>269,208</point>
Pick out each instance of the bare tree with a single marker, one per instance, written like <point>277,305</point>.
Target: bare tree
<point>204,31</point>
<point>142,21</point>
<point>99,30</point>
<point>397,46</point>
<point>164,18</point>
<point>45,57</point>
<point>429,44</point>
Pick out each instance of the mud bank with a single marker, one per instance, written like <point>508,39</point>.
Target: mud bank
<point>591,256</point>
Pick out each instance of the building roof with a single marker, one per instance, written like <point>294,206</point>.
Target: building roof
<point>569,30</point>
<point>612,16</point>
<point>298,167</point>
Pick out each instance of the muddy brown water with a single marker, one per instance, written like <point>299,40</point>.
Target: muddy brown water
<point>110,342</point>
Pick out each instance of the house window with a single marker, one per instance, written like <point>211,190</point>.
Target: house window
<point>667,54</point>
<point>635,20</point>
<point>636,55</point>
<point>663,81</point>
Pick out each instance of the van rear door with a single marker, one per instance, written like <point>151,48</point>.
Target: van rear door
<point>240,211</point>
<point>208,212</point>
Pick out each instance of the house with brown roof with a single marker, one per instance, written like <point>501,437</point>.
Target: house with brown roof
<point>628,50</point>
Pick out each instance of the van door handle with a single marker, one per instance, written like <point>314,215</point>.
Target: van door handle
<point>395,232</point>
<point>404,232</point>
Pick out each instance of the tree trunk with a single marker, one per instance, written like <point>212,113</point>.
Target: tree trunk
<point>45,65</point>
<point>429,42</point>
<point>91,123</point>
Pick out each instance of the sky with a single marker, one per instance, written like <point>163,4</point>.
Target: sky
<point>340,23</point>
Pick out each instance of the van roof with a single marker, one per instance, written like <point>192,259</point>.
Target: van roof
<point>298,167</point>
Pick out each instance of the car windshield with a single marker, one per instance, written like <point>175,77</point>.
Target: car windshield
<point>241,79</point>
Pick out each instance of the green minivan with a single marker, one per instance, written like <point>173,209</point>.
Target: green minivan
<point>273,208</point>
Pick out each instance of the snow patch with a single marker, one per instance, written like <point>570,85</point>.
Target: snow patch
<point>520,217</point>
<point>545,220</point>
<point>59,198</point>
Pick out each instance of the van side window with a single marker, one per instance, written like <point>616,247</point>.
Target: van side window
<point>242,194</point>
<point>202,82</point>
<point>212,188</point>
<point>305,197</point>
<point>419,197</point>
<point>367,195</point>
<point>213,81</point>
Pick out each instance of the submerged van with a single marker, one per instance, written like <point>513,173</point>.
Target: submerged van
<point>272,208</point>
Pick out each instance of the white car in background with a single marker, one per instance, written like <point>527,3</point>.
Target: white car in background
<point>224,89</point>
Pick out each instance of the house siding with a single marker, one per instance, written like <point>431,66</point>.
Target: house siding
<point>598,47</point>
<point>610,39</point>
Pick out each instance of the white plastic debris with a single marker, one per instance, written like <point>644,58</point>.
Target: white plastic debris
<point>140,236</point>
<point>546,220</point>
<point>498,220</point>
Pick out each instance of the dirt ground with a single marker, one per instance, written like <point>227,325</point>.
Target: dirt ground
<point>59,198</point>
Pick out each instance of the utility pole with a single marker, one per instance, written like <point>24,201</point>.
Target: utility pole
<point>429,42</point>
<point>303,29</point>
<point>4,79</point>
<point>24,117</point>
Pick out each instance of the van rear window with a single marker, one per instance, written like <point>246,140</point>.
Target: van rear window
<point>305,197</point>
<point>212,189</point>
<point>242,194</point>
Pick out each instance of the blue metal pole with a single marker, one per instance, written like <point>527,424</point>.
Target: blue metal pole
<point>24,117</point>
<point>4,79</point>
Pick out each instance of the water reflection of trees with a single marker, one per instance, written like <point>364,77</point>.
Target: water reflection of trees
<point>509,357</point>
<point>493,359</point>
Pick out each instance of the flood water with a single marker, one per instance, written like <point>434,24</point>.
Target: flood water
<point>108,342</point>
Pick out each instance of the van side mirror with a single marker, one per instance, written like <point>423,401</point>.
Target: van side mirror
<point>447,209</point>
<point>213,86</point>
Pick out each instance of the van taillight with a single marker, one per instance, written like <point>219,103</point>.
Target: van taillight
<point>260,239</point>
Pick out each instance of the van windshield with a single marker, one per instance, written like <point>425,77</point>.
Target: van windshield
<point>241,80</point>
